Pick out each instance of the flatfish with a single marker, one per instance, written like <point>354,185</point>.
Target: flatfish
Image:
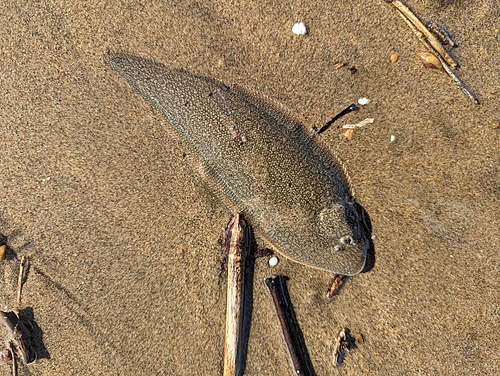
<point>292,190</point>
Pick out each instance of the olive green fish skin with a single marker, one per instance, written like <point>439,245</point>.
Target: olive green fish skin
<point>290,188</point>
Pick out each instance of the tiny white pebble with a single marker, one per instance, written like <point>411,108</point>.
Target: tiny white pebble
<point>273,261</point>
<point>299,28</point>
<point>393,138</point>
<point>363,101</point>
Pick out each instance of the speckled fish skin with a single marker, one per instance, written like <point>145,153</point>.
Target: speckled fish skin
<point>290,188</point>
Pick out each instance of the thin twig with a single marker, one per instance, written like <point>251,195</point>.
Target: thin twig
<point>446,67</point>
<point>14,364</point>
<point>433,41</point>
<point>22,268</point>
<point>237,247</point>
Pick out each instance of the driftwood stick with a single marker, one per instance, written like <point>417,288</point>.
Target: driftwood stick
<point>433,41</point>
<point>237,247</point>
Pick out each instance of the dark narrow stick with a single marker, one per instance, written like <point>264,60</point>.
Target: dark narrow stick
<point>284,310</point>
<point>237,249</point>
<point>350,108</point>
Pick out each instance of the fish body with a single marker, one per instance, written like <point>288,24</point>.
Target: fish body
<point>291,189</point>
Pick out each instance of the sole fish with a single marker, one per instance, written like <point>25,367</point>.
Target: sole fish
<point>292,190</point>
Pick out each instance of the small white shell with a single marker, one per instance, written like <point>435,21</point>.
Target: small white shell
<point>299,28</point>
<point>393,138</point>
<point>363,101</point>
<point>273,261</point>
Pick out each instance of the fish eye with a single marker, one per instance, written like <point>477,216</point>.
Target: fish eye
<point>347,240</point>
<point>337,248</point>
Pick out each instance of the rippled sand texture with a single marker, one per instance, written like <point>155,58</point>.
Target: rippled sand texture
<point>123,235</point>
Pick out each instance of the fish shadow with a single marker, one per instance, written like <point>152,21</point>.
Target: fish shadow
<point>367,230</point>
<point>248,300</point>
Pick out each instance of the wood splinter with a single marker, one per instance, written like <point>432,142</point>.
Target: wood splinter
<point>237,244</point>
<point>344,342</point>
<point>20,337</point>
<point>338,282</point>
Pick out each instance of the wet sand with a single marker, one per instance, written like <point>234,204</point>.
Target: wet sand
<point>123,235</point>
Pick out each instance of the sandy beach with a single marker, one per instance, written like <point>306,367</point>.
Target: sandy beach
<point>123,237</point>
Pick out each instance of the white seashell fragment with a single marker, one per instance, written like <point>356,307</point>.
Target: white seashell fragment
<point>393,138</point>
<point>299,28</point>
<point>273,261</point>
<point>360,124</point>
<point>363,101</point>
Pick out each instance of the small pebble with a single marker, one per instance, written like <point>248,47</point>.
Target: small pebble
<point>221,62</point>
<point>273,261</point>
<point>349,134</point>
<point>495,125</point>
<point>360,338</point>
<point>429,60</point>
<point>393,138</point>
<point>363,101</point>
<point>394,58</point>
<point>299,28</point>
<point>5,355</point>
<point>352,70</point>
